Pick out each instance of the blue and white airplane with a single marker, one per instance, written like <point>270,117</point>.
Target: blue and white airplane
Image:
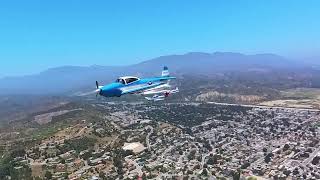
<point>157,86</point>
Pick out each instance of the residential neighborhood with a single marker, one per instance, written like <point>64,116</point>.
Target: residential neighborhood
<point>224,142</point>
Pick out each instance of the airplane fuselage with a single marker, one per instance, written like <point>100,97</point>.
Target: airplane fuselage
<point>121,87</point>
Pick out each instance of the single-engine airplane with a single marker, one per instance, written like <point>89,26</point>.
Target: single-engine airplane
<point>157,86</point>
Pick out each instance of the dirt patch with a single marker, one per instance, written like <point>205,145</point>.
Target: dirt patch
<point>216,96</point>
<point>47,117</point>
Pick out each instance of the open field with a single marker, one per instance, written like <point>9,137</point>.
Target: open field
<point>303,93</point>
<point>297,98</point>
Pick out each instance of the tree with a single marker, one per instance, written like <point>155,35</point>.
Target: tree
<point>204,172</point>
<point>252,178</point>
<point>48,175</point>
<point>185,177</point>
<point>207,145</point>
<point>19,152</point>
<point>102,175</point>
<point>144,176</point>
<point>192,154</point>
<point>199,158</point>
<point>236,175</point>
<point>315,160</point>
<point>268,157</point>
<point>295,171</point>
<point>287,172</point>
<point>5,166</point>
<point>62,161</point>
<point>66,176</point>
<point>245,165</point>
<point>117,161</point>
<point>286,147</point>
<point>197,166</point>
<point>213,159</point>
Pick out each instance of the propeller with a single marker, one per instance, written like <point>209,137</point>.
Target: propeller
<point>98,89</point>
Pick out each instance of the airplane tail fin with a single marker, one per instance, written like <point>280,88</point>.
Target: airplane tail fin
<point>165,71</point>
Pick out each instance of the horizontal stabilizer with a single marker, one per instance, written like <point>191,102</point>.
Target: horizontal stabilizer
<point>155,98</point>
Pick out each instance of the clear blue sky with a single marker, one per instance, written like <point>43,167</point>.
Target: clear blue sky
<point>36,35</point>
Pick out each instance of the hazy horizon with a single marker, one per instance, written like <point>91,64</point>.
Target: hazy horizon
<point>37,35</point>
<point>137,62</point>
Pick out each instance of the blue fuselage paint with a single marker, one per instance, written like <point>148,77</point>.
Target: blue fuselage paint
<point>117,89</point>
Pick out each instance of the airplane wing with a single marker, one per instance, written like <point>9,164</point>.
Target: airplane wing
<point>138,88</point>
<point>156,90</point>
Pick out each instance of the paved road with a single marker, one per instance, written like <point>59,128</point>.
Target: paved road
<point>314,154</point>
<point>81,131</point>
<point>251,106</point>
<point>148,137</point>
<point>266,107</point>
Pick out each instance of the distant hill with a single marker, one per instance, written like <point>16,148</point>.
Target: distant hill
<point>74,78</point>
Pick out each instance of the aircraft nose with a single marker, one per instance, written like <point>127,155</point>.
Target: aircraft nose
<point>101,92</point>
<point>105,92</point>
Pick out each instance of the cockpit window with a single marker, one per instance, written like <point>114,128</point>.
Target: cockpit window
<point>130,80</point>
<point>120,81</point>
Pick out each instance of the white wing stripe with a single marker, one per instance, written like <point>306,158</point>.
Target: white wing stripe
<point>138,87</point>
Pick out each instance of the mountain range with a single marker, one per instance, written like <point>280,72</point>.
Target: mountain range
<point>74,78</point>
